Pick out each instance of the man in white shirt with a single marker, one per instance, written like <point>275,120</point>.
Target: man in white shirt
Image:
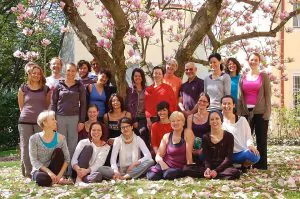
<point>244,151</point>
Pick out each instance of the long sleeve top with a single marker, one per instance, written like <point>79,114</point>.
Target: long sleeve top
<point>127,150</point>
<point>218,156</point>
<point>217,88</point>
<point>263,102</point>
<point>69,101</point>
<point>99,154</point>
<point>40,155</point>
<point>241,132</point>
<point>154,95</point>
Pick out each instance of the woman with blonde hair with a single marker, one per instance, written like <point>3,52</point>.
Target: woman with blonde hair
<point>33,98</point>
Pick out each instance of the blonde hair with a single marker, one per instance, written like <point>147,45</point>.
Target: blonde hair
<point>173,61</point>
<point>177,114</point>
<point>29,66</point>
<point>43,117</point>
<point>42,81</point>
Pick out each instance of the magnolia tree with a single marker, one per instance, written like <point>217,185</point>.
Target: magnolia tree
<point>227,26</point>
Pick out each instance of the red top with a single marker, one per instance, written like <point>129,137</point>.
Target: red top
<point>153,96</point>
<point>158,131</point>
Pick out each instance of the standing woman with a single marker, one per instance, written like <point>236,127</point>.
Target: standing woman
<point>69,103</point>
<point>33,98</point>
<point>217,84</point>
<point>255,104</point>
<point>135,103</point>
<point>90,155</point>
<point>233,68</point>
<point>49,154</point>
<point>99,93</point>
<point>56,66</point>
<point>175,151</point>
<point>115,113</point>
<point>218,150</point>
<point>156,93</point>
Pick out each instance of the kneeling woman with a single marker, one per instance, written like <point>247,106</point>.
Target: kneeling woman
<point>89,155</point>
<point>175,150</point>
<point>128,146</point>
<point>48,152</point>
<point>218,150</point>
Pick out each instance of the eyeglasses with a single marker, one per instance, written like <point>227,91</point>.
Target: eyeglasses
<point>188,69</point>
<point>125,127</point>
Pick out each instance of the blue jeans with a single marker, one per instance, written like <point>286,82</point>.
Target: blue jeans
<point>242,156</point>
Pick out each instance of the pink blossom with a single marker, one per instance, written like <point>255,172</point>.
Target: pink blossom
<point>20,8</point>
<point>137,3</point>
<point>18,54</point>
<point>272,77</point>
<point>13,9</point>
<point>289,30</point>
<point>133,39</point>
<point>178,37</point>
<point>64,29</point>
<point>285,78</point>
<point>131,52</point>
<point>62,4</point>
<point>100,43</point>
<point>158,13</point>
<point>45,42</point>
<point>108,34</point>
<point>26,31</point>
<point>283,15</point>
<point>77,4</point>
<point>31,55</point>
<point>107,44</point>
<point>48,20</point>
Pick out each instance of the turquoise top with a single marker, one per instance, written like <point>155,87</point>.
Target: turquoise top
<point>234,87</point>
<point>51,144</point>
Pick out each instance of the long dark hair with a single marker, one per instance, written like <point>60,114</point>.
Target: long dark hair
<point>218,57</point>
<point>138,70</point>
<point>110,108</point>
<point>236,62</point>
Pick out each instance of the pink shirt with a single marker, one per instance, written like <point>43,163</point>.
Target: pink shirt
<point>251,89</point>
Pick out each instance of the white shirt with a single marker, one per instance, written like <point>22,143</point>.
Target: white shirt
<point>51,82</point>
<point>99,154</point>
<point>241,132</point>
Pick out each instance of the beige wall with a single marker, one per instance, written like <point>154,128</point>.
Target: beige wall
<point>292,49</point>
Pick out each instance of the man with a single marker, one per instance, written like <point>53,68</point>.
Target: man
<point>84,68</point>
<point>171,79</point>
<point>190,90</point>
<point>244,151</point>
<point>96,69</point>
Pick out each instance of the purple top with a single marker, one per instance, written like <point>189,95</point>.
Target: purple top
<point>135,102</point>
<point>175,156</point>
<point>34,104</point>
<point>87,81</point>
<point>190,92</point>
<point>218,156</point>
<point>69,101</point>
<point>200,129</point>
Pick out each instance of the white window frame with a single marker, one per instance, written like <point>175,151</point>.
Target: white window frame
<point>296,91</point>
<point>296,19</point>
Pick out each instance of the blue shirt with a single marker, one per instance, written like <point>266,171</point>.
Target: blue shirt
<point>98,99</point>
<point>234,87</point>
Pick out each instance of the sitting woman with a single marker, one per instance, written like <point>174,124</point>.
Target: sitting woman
<point>198,122</point>
<point>116,112</point>
<point>48,152</point>
<point>218,150</point>
<point>163,126</point>
<point>92,113</point>
<point>89,155</point>
<point>175,150</point>
<point>128,146</point>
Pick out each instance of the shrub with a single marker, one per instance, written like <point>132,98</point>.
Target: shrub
<point>9,114</point>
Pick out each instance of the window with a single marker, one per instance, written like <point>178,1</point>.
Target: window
<point>296,19</point>
<point>296,92</point>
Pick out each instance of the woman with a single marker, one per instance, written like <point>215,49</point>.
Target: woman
<point>233,69</point>
<point>135,103</point>
<point>69,102</point>
<point>56,66</point>
<point>33,98</point>
<point>128,147</point>
<point>218,150</point>
<point>99,93</point>
<point>49,153</point>
<point>90,155</point>
<point>217,84</point>
<point>255,104</point>
<point>92,113</point>
<point>156,93</point>
<point>161,127</point>
<point>175,150</point>
<point>116,112</point>
<point>199,124</point>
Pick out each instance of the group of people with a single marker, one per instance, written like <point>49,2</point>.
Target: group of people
<point>76,125</point>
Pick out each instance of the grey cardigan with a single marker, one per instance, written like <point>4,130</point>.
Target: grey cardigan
<point>263,103</point>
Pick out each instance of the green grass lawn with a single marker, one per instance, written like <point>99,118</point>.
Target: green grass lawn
<point>282,180</point>
<point>10,152</point>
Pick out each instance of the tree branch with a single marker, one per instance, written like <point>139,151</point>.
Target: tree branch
<point>271,33</point>
<point>255,4</point>
<point>199,61</point>
<point>213,40</point>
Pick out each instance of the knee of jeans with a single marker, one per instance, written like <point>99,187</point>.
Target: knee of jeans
<point>43,180</point>
<point>153,176</point>
<point>149,163</point>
